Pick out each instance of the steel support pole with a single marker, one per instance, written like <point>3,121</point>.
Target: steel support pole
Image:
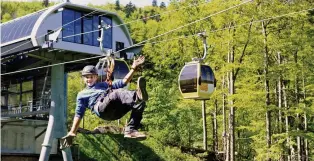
<point>56,114</point>
<point>204,125</point>
<point>46,146</point>
<point>66,153</point>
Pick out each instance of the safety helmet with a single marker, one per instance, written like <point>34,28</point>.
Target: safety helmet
<point>89,70</point>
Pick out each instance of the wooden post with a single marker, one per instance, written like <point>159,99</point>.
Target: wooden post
<point>204,125</point>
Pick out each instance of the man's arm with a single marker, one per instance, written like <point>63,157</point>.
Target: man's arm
<point>79,113</point>
<point>75,126</point>
<point>67,140</point>
<point>135,64</point>
<point>129,76</point>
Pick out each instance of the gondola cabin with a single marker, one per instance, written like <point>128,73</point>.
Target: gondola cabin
<point>196,81</point>
<point>121,69</point>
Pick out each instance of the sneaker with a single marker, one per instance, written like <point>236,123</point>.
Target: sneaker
<point>141,89</point>
<point>134,134</point>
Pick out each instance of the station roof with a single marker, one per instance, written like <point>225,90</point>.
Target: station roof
<point>19,29</point>
<point>20,48</point>
<point>19,34</point>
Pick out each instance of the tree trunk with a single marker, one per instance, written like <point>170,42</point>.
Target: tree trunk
<point>286,119</point>
<point>290,154</point>
<point>228,148</point>
<point>45,3</point>
<point>204,124</point>
<point>215,130</point>
<point>306,147</point>
<point>231,111</point>
<point>297,103</point>
<point>267,96</point>
<point>279,86</point>
<point>224,118</point>
<point>279,96</point>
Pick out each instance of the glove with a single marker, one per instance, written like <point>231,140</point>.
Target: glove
<point>66,141</point>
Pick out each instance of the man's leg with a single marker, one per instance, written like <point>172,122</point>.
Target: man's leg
<point>136,117</point>
<point>120,101</point>
<point>137,111</point>
<point>116,104</point>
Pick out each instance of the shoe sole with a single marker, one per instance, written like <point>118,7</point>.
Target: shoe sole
<point>137,138</point>
<point>141,84</point>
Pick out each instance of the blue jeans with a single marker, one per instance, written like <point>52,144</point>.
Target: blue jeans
<point>119,102</point>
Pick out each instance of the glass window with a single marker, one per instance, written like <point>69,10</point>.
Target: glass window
<point>207,75</point>
<point>88,26</point>
<point>14,88</point>
<point>68,28</point>
<point>14,97</point>
<point>14,100</point>
<point>95,27</point>
<point>78,27</point>
<point>120,69</point>
<point>27,97</point>
<point>27,86</point>
<point>3,101</point>
<point>72,24</point>
<point>14,93</point>
<point>120,46</point>
<point>107,42</point>
<point>188,79</point>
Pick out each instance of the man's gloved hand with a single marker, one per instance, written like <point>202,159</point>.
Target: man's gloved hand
<point>67,141</point>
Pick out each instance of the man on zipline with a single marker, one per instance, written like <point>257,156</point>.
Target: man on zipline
<point>112,104</point>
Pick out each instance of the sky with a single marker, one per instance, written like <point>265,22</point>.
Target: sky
<point>138,3</point>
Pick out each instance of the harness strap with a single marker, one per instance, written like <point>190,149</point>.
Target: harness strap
<point>109,71</point>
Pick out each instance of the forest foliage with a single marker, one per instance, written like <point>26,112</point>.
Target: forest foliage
<point>271,44</point>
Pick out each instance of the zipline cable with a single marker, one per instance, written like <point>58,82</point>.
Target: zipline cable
<point>235,26</point>
<point>212,30</point>
<point>133,21</point>
<point>19,71</point>
<point>83,33</point>
<point>181,37</point>
<point>50,31</point>
<point>167,12</point>
<point>193,21</point>
<point>270,18</point>
<point>94,30</point>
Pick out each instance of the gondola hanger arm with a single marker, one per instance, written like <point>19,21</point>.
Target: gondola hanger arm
<point>102,28</point>
<point>203,36</point>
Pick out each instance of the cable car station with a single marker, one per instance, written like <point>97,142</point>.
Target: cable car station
<point>34,49</point>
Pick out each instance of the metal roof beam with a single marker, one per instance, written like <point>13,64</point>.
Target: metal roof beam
<point>42,56</point>
<point>46,111</point>
<point>8,58</point>
<point>41,62</point>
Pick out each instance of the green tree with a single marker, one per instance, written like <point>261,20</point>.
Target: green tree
<point>236,54</point>
<point>117,7</point>
<point>129,9</point>
<point>162,5</point>
<point>154,3</point>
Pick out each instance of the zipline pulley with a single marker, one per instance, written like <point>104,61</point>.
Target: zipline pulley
<point>102,28</point>
<point>109,68</point>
